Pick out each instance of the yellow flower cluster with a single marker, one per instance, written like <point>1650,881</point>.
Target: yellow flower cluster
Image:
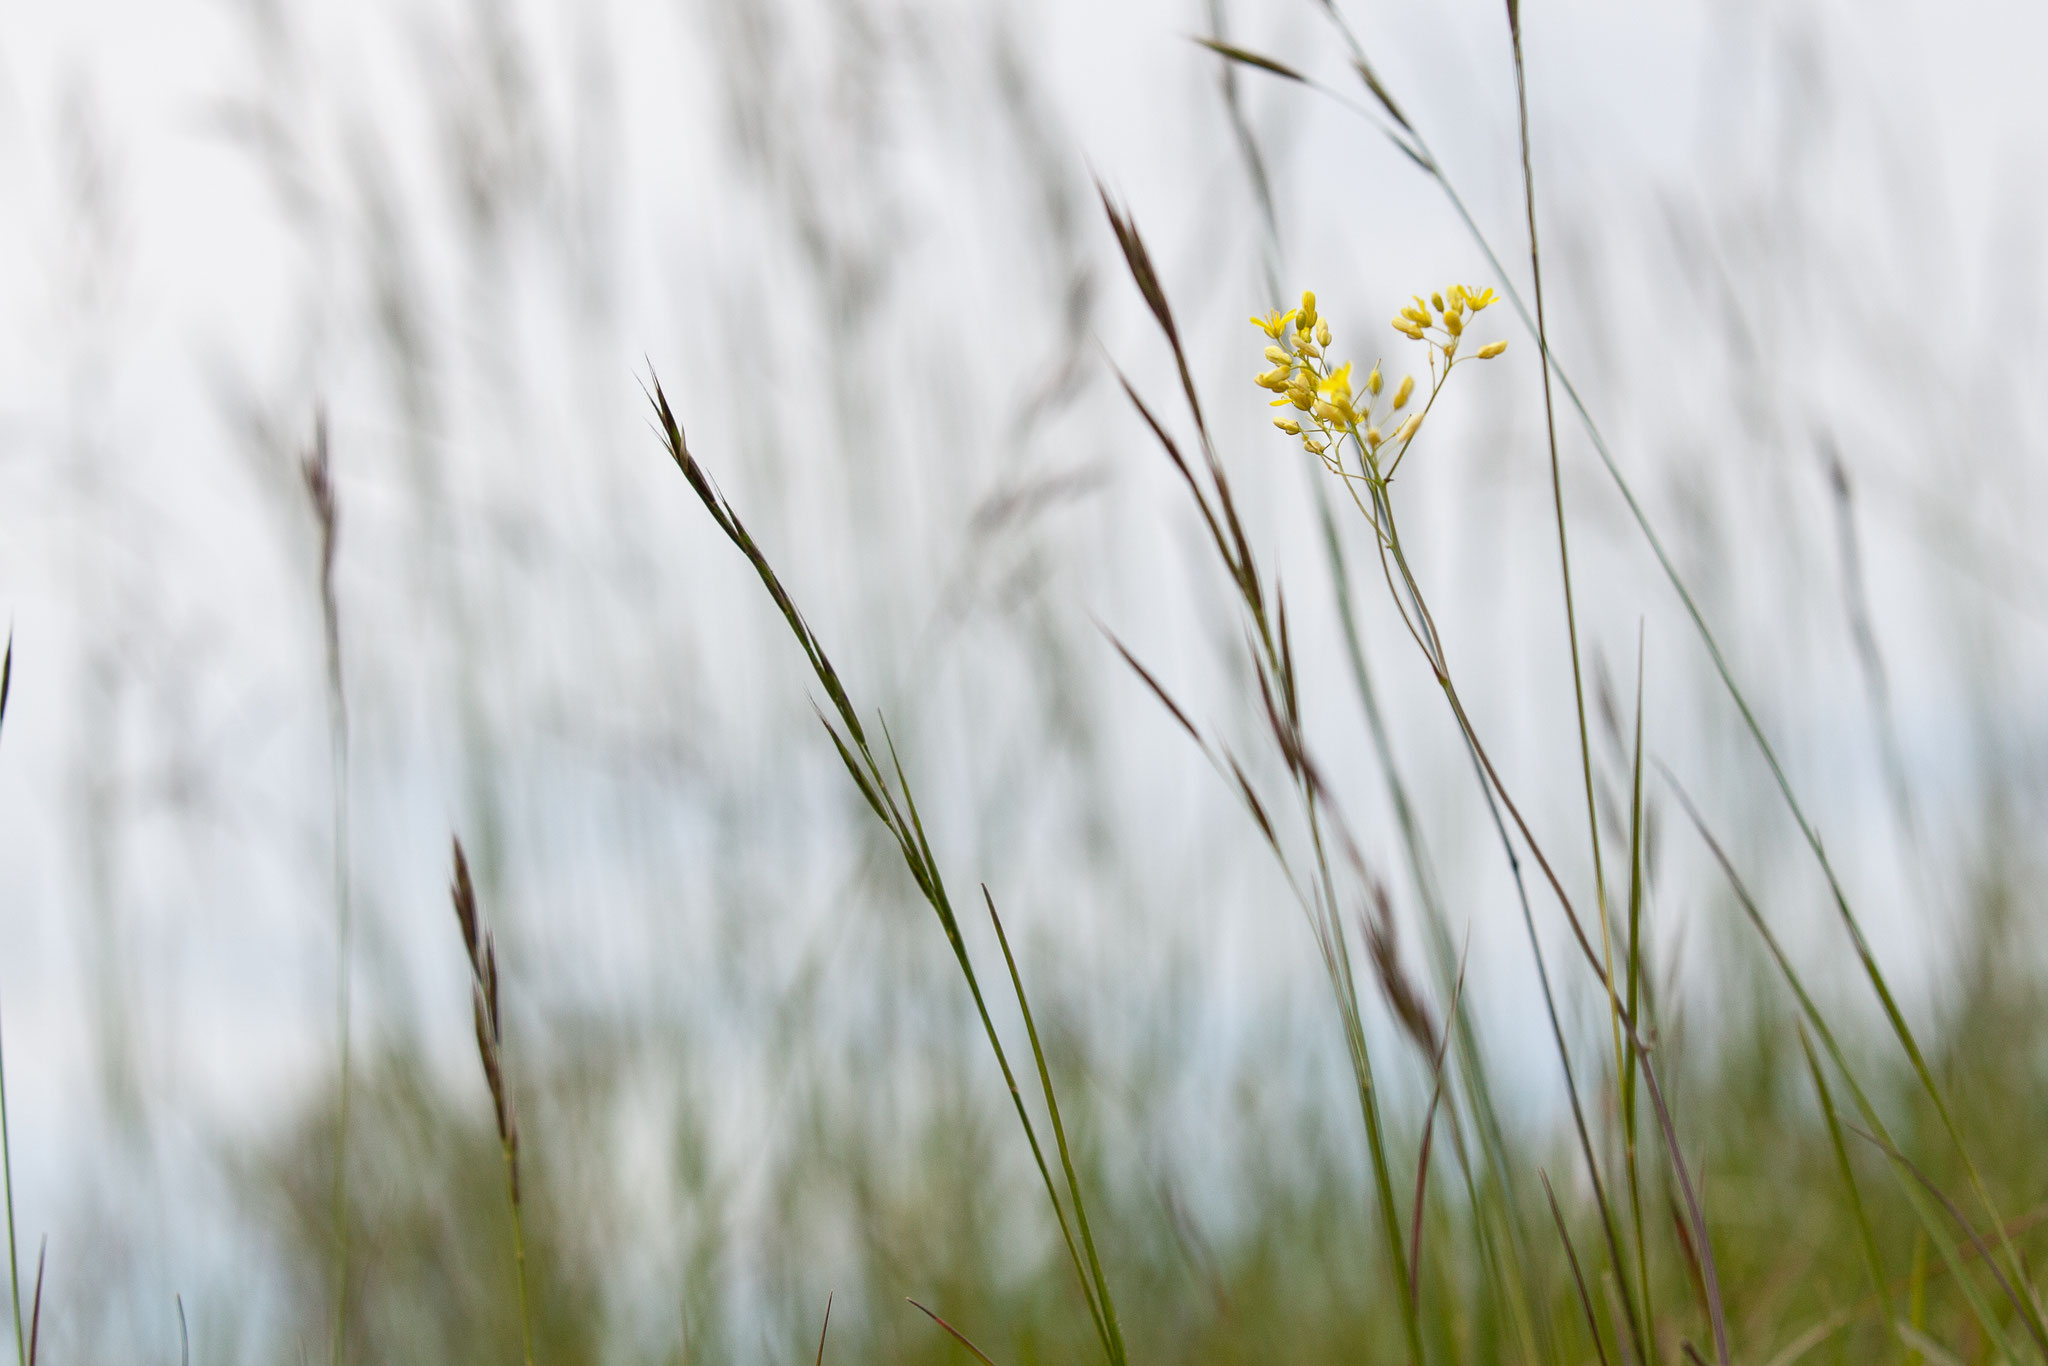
<point>1328,409</point>
<point>1420,318</point>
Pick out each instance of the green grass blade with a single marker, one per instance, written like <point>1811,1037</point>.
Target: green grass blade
<point>1059,1133</point>
<point>1636,891</point>
<point>6,1142</point>
<point>1436,1095</point>
<point>1578,1276</point>
<point>906,828</point>
<point>1623,1063</point>
<point>1976,1243</point>
<point>1872,1258</point>
<point>1930,1219</point>
<point>35,1313</point>
<point>1472,1069</point>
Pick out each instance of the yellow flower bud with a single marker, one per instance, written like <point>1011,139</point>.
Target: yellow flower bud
<point>1314,446</point>
<point>1457,296</point>
<point>1407,328</point>
<point>1301,397</point>
<point>1408,429</point>
<point>1454,324</point>
<point>1288,425</point>
<point>1372,383</point>
<point>1322,331</point>
<point>1308,309</point>
<point>1278,356</point>
<point>1275,379</point>
<point>1327,412</point>
<point>1418,316</point>
<point>1491,349</point>
<point>1372,438</point>
<point>1450,348</point>
<point>1437,301</point>
<point>1401,394</point>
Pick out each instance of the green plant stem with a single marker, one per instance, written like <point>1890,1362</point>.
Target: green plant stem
<point>1422,627</point>
<point>7,1164</point>
<point>1273,667</point>
<point>906,829</point>
<point>1637,893</point>
<point>344,939</point>
<point>1872,1258</point>
<point>1930,1218</point>
<point>1059,1128</point>
<point>518,1250</point>
<point>6,1141</point>
<point>1622,1061</point>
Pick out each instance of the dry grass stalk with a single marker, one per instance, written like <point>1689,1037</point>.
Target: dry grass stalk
<point>316,471</point>
<point>481,946</point>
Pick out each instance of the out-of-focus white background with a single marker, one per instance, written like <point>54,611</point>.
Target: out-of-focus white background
<point>859,246</point>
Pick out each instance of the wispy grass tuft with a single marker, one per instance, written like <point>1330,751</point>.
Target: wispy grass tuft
<point>888,795</point>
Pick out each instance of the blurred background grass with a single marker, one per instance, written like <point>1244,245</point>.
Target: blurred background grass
<point>858,242</point>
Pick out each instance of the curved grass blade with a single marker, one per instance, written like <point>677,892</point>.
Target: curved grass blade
<point>951,1332</point>
<point>1872,1258</point>
<point>1636,897</point>
<point>35,1317</point>
<point>1914,1195</point>
<point>2012,1296</point>
<point>1578,1277</point>
<point>6,1144</point>
<point>1052,1106</point>
<point>1436,1095</point>
<point>906,828</point>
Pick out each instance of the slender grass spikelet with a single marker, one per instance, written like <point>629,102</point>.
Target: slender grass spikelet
<point>481,946</point>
